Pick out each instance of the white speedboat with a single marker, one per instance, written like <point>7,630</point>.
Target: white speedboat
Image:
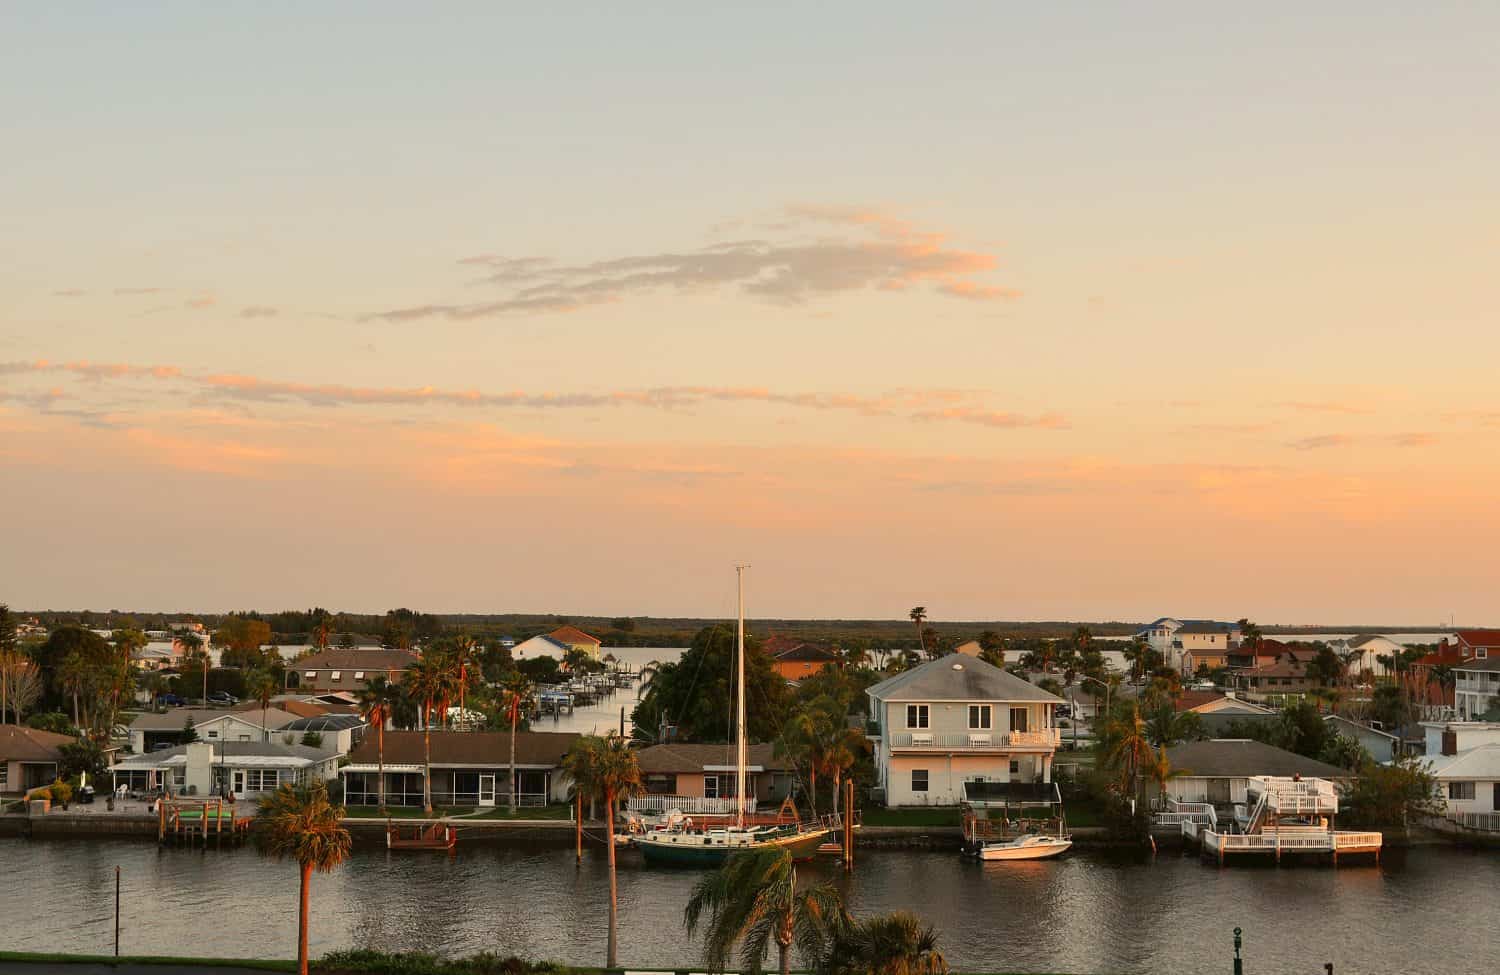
<point>1032,846</point>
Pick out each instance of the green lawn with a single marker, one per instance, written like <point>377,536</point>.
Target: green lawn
<point>398,812</point>
<point>461,812</point>
<point>931,816</point>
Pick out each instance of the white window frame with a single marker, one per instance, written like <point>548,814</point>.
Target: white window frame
<point>1457,790</point>
<point>919,716</point>
<point>1025,719</point>
<point>359,675</point>
<point>335,675</point>
<point>985,713</point>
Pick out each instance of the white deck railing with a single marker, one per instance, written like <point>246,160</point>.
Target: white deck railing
<point>978,740</point>
<point>684,803</point>
<point>1349,840</point>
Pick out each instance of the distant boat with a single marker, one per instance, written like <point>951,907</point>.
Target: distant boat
<point>712,847</point>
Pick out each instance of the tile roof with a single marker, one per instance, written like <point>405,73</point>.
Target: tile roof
<point>572,635</point>
<point>958,678</point>
<point>19,743</point>
<point>479,748</point>
<point>1188,700</point>
<point>1479,638</point>
<point>1236,758</point>
<point>689,758</point>
<point>810,652</point>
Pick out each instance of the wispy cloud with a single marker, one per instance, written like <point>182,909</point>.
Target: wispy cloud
<point>1322,442</point>
<point>873,251</point>
<point>201,301</point>
<point>1325,406</point>
<point>69,293</point>
<point>259,311</point>
<point>927,405</point>
<point>139,291</point>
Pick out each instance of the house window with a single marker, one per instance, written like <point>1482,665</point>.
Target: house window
<point>1460,790</point>
<point>916,715</point>
<point>4,775</point>
<point>359,675</point>
<point>661,784</point>
<point>310,674</point>
<point>211,734</point>
<point>979,717</point>
<point>1017,719</point>
<point>335,675</point>
<point>261,779</point>
<point>718,786</point>
<point>1015,767</point>
<point>919,780</point>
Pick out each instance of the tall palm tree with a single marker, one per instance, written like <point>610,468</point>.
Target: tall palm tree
<point>299,823</point>
<point>517,692</point>
<point>1168,726</point>
<point>260,685</point>
<point>892,944</point>
<point>74,675</point>
<point>1159,771</point>
<point>805,741</point>
<point>1130,748</point>
<point>752,901</point>
<point>918,615</point>
<point>377,703</point>
<point>616,775</point>
<point>430,681</point>
<point>464,651</point>
<point>582,765</point>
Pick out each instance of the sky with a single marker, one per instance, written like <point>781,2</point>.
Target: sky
<point>1015,311</point>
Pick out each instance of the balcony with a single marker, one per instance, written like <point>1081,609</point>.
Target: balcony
<point>976,741</point>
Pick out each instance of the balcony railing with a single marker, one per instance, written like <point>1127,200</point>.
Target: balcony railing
<point>978,740</point>
<point>1485,822</point>
<point>687,804</point>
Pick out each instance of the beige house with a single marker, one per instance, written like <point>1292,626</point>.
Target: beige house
<point>707,772</point>
<point>28,758</point>
<point>959,719</point>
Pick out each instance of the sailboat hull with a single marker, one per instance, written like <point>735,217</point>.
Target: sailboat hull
<point>707,850</point>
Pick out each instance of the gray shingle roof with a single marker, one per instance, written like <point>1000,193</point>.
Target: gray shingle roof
<point>325,722</point>
<point>1240,758</point>
<point>174,718</point>
<point>958,678</point>
<point>1489,664</point>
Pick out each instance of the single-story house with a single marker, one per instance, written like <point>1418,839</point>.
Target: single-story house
<point>557,644</point>
<point>1361,654</point>
<point>469,768</point>
<point>347,669</point>
<point>152,731</point>
<point>1383,746</point>
<point>1470,780</point>
<point>1218,770</point>
<point>28,758</point>
<point>1288,675</point>
<point>707,771</point>
<point>246,768</point>
<point>1215,702</point>
<point>340,733</point>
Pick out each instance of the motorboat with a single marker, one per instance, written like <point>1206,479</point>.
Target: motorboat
<point>1032,846</point>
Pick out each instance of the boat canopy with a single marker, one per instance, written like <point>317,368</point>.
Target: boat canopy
<point>1014,795</point>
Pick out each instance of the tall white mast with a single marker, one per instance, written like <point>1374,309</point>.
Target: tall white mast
<point>741,748</point>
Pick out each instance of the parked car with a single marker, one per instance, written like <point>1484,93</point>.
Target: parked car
<point>171,700</point>
<point>222,697</point>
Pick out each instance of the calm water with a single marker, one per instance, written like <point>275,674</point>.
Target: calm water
<point>1084,913</point>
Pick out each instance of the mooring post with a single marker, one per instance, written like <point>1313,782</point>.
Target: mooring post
<point>117,910</point>
<point>1239,965</point>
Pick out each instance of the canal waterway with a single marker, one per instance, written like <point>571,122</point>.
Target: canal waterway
<point>1424,910</point>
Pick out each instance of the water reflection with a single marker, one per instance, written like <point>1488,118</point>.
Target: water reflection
<point>1082,913</point>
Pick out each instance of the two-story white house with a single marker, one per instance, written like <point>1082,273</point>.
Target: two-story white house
<point>958,719</point>
<point>1476,687</point>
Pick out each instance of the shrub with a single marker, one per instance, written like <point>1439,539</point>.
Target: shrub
<point>365,962</point>
<point>41,793</point>
<point>61,791</point>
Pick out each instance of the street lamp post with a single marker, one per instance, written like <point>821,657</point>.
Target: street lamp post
<point>1107,688</point>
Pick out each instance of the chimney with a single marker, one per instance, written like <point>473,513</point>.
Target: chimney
<point>1450,742</point>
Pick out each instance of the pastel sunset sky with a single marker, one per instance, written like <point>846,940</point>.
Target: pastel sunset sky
<point>1017,311</point>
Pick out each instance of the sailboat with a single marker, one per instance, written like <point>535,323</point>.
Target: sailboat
<point>712,847</point>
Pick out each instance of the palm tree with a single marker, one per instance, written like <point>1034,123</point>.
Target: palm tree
<point>892,944</point>
<point>299,823</point>
<point>610,769</point>
<point>517,693</point>
<point>463,661</point>
<point>1129,747</point>
<point>582,765</point>
<point>1159,770</point>
<point>260,685</point>
<point>74,676</point>
<point>753,900</point>
<point>1168,726</point>
<point>918,615</point>
<point>1135,653</point>
<point>377,702</point>
<point>430,680</point>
